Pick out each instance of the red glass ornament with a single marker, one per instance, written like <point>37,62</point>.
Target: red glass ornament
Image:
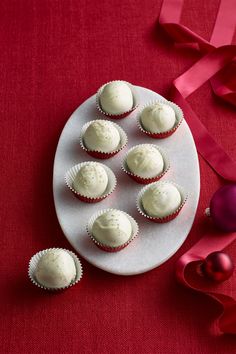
<point>218,266</point>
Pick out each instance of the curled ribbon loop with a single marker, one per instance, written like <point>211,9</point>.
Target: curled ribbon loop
<point>219,66</point>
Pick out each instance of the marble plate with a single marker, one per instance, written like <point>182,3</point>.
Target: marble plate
<point>156,243</point>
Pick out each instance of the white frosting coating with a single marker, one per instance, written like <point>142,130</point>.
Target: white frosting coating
<point>145,161</point>
<point>91,180</point>
<point>55,269</point>
<point>158,118</point>
<point>112,228</point>
<point>116,98</point>
<point>161,199</point>
<point>101,136</point>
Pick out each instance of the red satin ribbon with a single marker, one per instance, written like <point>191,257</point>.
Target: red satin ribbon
<point>218,66</point>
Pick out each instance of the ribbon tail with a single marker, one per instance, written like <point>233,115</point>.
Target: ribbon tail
<point>214,155</point>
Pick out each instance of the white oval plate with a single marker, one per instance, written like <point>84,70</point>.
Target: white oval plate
<point>156,242</point>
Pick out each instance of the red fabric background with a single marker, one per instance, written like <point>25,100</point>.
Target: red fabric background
<point>54,54</point>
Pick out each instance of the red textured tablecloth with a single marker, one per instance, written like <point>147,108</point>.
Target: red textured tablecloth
<point>54,55</point>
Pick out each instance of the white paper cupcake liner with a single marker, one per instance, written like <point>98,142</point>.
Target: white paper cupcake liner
<point>35,259</point>
<point>107,248</point>
<point>143,180</point>
<point>72,172</point>
<point>99,154</point>
<point>184,197</point>
<point>178,114</point>
<point>121,115</point>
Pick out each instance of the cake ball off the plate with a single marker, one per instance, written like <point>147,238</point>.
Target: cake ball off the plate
<point>91,180</point>
<point>101,136</point>
<point>55,269</point>
<point>112,229</point>
<point>116,98</point>
<point>158,118</point>
<point>145,161</point>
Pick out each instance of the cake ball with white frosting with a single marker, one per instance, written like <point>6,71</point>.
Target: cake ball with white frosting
<point>55,269</point>
<point>116,98</point>
<point>145,161</point>
<point>161,199</point>
<point>112,228</point>
<point>158,118</point>
<point>91,180</point>
<point>101,135</point>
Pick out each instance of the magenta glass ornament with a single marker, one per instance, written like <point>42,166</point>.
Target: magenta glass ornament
<point>223,208</point>
<point>218,266</point>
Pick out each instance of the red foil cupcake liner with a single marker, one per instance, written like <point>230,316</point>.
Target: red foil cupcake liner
<point>142,180</point>
<point>72,172</point>
<point>167,218</point>
<point>122,115</point>
<point>135,231</point>
<point>100,154</point>
<point>179,118</point>
<point>34,261</point>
